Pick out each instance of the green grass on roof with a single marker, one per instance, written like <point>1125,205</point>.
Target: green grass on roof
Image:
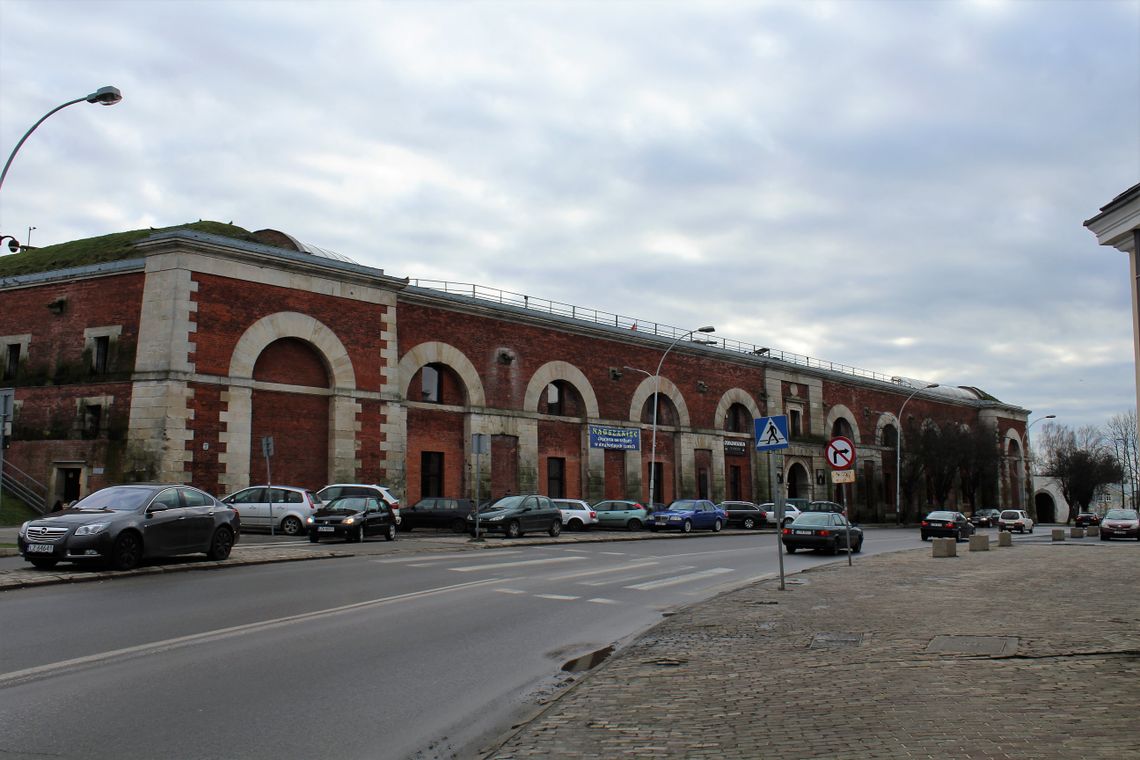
<point>97,250</point>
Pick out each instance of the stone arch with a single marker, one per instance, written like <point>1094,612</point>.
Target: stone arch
<point>886,420</point>
<point>840,411</point>
<point>735,396</point>
<point>560,370</point>
<point>238,415</point>
<point>667,389</point>
<point>435,352</point>
<point>291,324</point>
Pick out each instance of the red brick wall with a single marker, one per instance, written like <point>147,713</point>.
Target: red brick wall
<point>436,430</point>
<point>561,439</point>
<point>299,425</point>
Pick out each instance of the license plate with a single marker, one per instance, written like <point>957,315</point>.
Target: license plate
<point>802,532</point>
<point>41,549</point>
<point>325,529</point>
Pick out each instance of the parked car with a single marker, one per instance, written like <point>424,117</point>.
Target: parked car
<point>946,524</point>
<point>576,514</point>
<point>1120,523</point>
<point>827,531</point>
<point>825,506</point>
<point>291,507</point>
<point>514,516</point>
<point>791,512</point>
<point>985,518</point>
<point>123,525</point>
<point>1015,519</point>
<point>743,513</point>
<point>336,490</point>
<point>1085,519</point>
<point>437,512</point>
<point>353,518</point>
<point>617,513</point>
<point>686,515</point>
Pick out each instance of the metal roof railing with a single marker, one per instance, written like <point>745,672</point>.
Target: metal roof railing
<point>599,317</point>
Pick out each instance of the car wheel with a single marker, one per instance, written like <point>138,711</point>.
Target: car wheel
<point>788,521</point>
<point>789,549</point>
<point>390,533</point>
<point>749,523</point>
<point>127,551</point>
<point>957,536</point>
<point>574,524</point>
<point>858,546</point>
<point>687,527</point>
<point>833,549</point>
<point>313,538</point>
<point>634,524</point>
<point>43,563</point>
<point>513,530</point>
<point>925,537</point>
<point>1031,530</point>
<point>459,526</point>
<point>717,526</point>
<point>555,528</point>
<point>220,544</point>
<point>291,526</point>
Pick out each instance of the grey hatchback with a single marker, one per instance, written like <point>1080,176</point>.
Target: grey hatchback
<point>515,515</point>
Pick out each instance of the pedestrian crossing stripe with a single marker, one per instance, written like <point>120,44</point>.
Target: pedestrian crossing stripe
<point>771,433</point>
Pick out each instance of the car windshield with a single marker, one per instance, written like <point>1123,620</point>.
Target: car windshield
<point>684,505</point>
<point>507,502</point>
<point>941,516</point>
<point>1121,514</point>
<point>117,498</point>
<point>812,518</point>
<point>347,504</point>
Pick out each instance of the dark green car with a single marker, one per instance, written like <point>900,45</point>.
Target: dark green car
<point>514,516</point>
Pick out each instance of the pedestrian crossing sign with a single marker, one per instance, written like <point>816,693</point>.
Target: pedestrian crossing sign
<point>771,433</point>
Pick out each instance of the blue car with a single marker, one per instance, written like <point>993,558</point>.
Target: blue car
<point>687,515</point>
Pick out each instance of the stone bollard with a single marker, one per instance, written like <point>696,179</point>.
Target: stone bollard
<point>1058,534</point>
<point>1005,538</point>
<point>1092,531</point>
<point>945,547</point>
<point>979,543</point>
<point>1076,532</point>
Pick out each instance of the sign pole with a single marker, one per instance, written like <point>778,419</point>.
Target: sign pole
<point>779,505</point>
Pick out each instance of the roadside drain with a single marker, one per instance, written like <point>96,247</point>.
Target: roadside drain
<point>588,661</point>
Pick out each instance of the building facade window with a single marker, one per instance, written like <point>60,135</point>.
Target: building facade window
<point>431,473</point>
<point>102,347</point>
<point>553,399</point>
<point>92,421</point>
<point>430,384</point>
<point>11,361</point>
<point>795,423</point>
<point>734,482</point>
<point>556,477</point>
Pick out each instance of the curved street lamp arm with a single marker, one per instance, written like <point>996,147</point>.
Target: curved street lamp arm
<point>33,129</point>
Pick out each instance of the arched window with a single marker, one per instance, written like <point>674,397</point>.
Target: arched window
<point>439,384</point>
<point>890,436</point>
<point>738,419</point>
<point>843,427</point>
<point>666,411</point>
<point>562,399</point>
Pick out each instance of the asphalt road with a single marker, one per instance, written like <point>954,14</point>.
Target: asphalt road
<point>379,656</point>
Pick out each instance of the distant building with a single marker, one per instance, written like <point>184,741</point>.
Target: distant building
<point>171,354</point>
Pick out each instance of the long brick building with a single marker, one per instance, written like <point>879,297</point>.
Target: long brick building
<point>169,355</point>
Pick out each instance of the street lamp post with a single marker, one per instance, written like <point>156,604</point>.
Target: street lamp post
<point>898,454</point>
<point>656,392</point>
<point>107,96</point>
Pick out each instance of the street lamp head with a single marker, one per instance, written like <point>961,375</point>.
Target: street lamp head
<point>706,328</point>
<point>106,96</point>
<point>932,385</point>
<point>1050,417</point>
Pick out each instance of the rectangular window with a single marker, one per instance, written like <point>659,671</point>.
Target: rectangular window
<point>92,420</point>
<point>12,361</point>
<point>556,478</point>
<point>734,482</point>
<point>553,400</point>
<point>100,349</point>
<point>430,386</point>
<point>431,473</point>
<point>794,423</point>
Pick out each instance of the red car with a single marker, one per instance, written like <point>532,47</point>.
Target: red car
<point>1120,523</point>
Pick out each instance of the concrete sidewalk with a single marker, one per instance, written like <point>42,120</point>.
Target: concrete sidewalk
<point>1029,651</point>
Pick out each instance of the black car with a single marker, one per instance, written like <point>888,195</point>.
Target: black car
<point>1085,519</point>
<point>826,531</point>
<point>123,525</point>
<point>947,525</point>
<point>985,518</point>
<point>437,512</point>
<point>744,514</point>
<point>515,515</point>
<point>353,518</point>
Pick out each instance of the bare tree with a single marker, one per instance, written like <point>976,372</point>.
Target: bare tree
<point>1082,462</point>
<point>1120,432</point>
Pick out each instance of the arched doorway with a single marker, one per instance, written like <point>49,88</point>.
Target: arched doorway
<point>297,421</point>
<point>799,483</point>
<point>1046,508</point>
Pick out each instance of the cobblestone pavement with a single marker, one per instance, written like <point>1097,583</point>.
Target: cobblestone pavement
<point>1029,651</point>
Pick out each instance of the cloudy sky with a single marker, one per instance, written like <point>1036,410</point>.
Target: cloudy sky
<point>896,186</point>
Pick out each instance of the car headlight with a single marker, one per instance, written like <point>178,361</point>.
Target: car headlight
<point>310,520</point>
<point>675,518</point>
<point>91,529</point>
<point>24,529</point>
<point>494,519</point>
<point>349,520</point>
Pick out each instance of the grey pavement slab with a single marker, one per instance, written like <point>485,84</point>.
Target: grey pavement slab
<point>1037,655</point>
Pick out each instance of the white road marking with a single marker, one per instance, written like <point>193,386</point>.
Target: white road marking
<point>434,557</point>
<point>599,600</point>
<point>510,591</point>
<point>155,647</point>
<point>558,597</point>
<point>599,571</point>
<point>681,579</point>
<point>627,578</point>
<point>498,565</point>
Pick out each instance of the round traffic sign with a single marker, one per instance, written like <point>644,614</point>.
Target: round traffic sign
<point>841,453</point>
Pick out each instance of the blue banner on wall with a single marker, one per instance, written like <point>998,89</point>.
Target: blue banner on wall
<point>602,437</point>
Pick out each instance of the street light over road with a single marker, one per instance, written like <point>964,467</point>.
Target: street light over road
<point>898,453</point>
<point>107,96</point>
<point>656,395</point>
<point>1027,457</point>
